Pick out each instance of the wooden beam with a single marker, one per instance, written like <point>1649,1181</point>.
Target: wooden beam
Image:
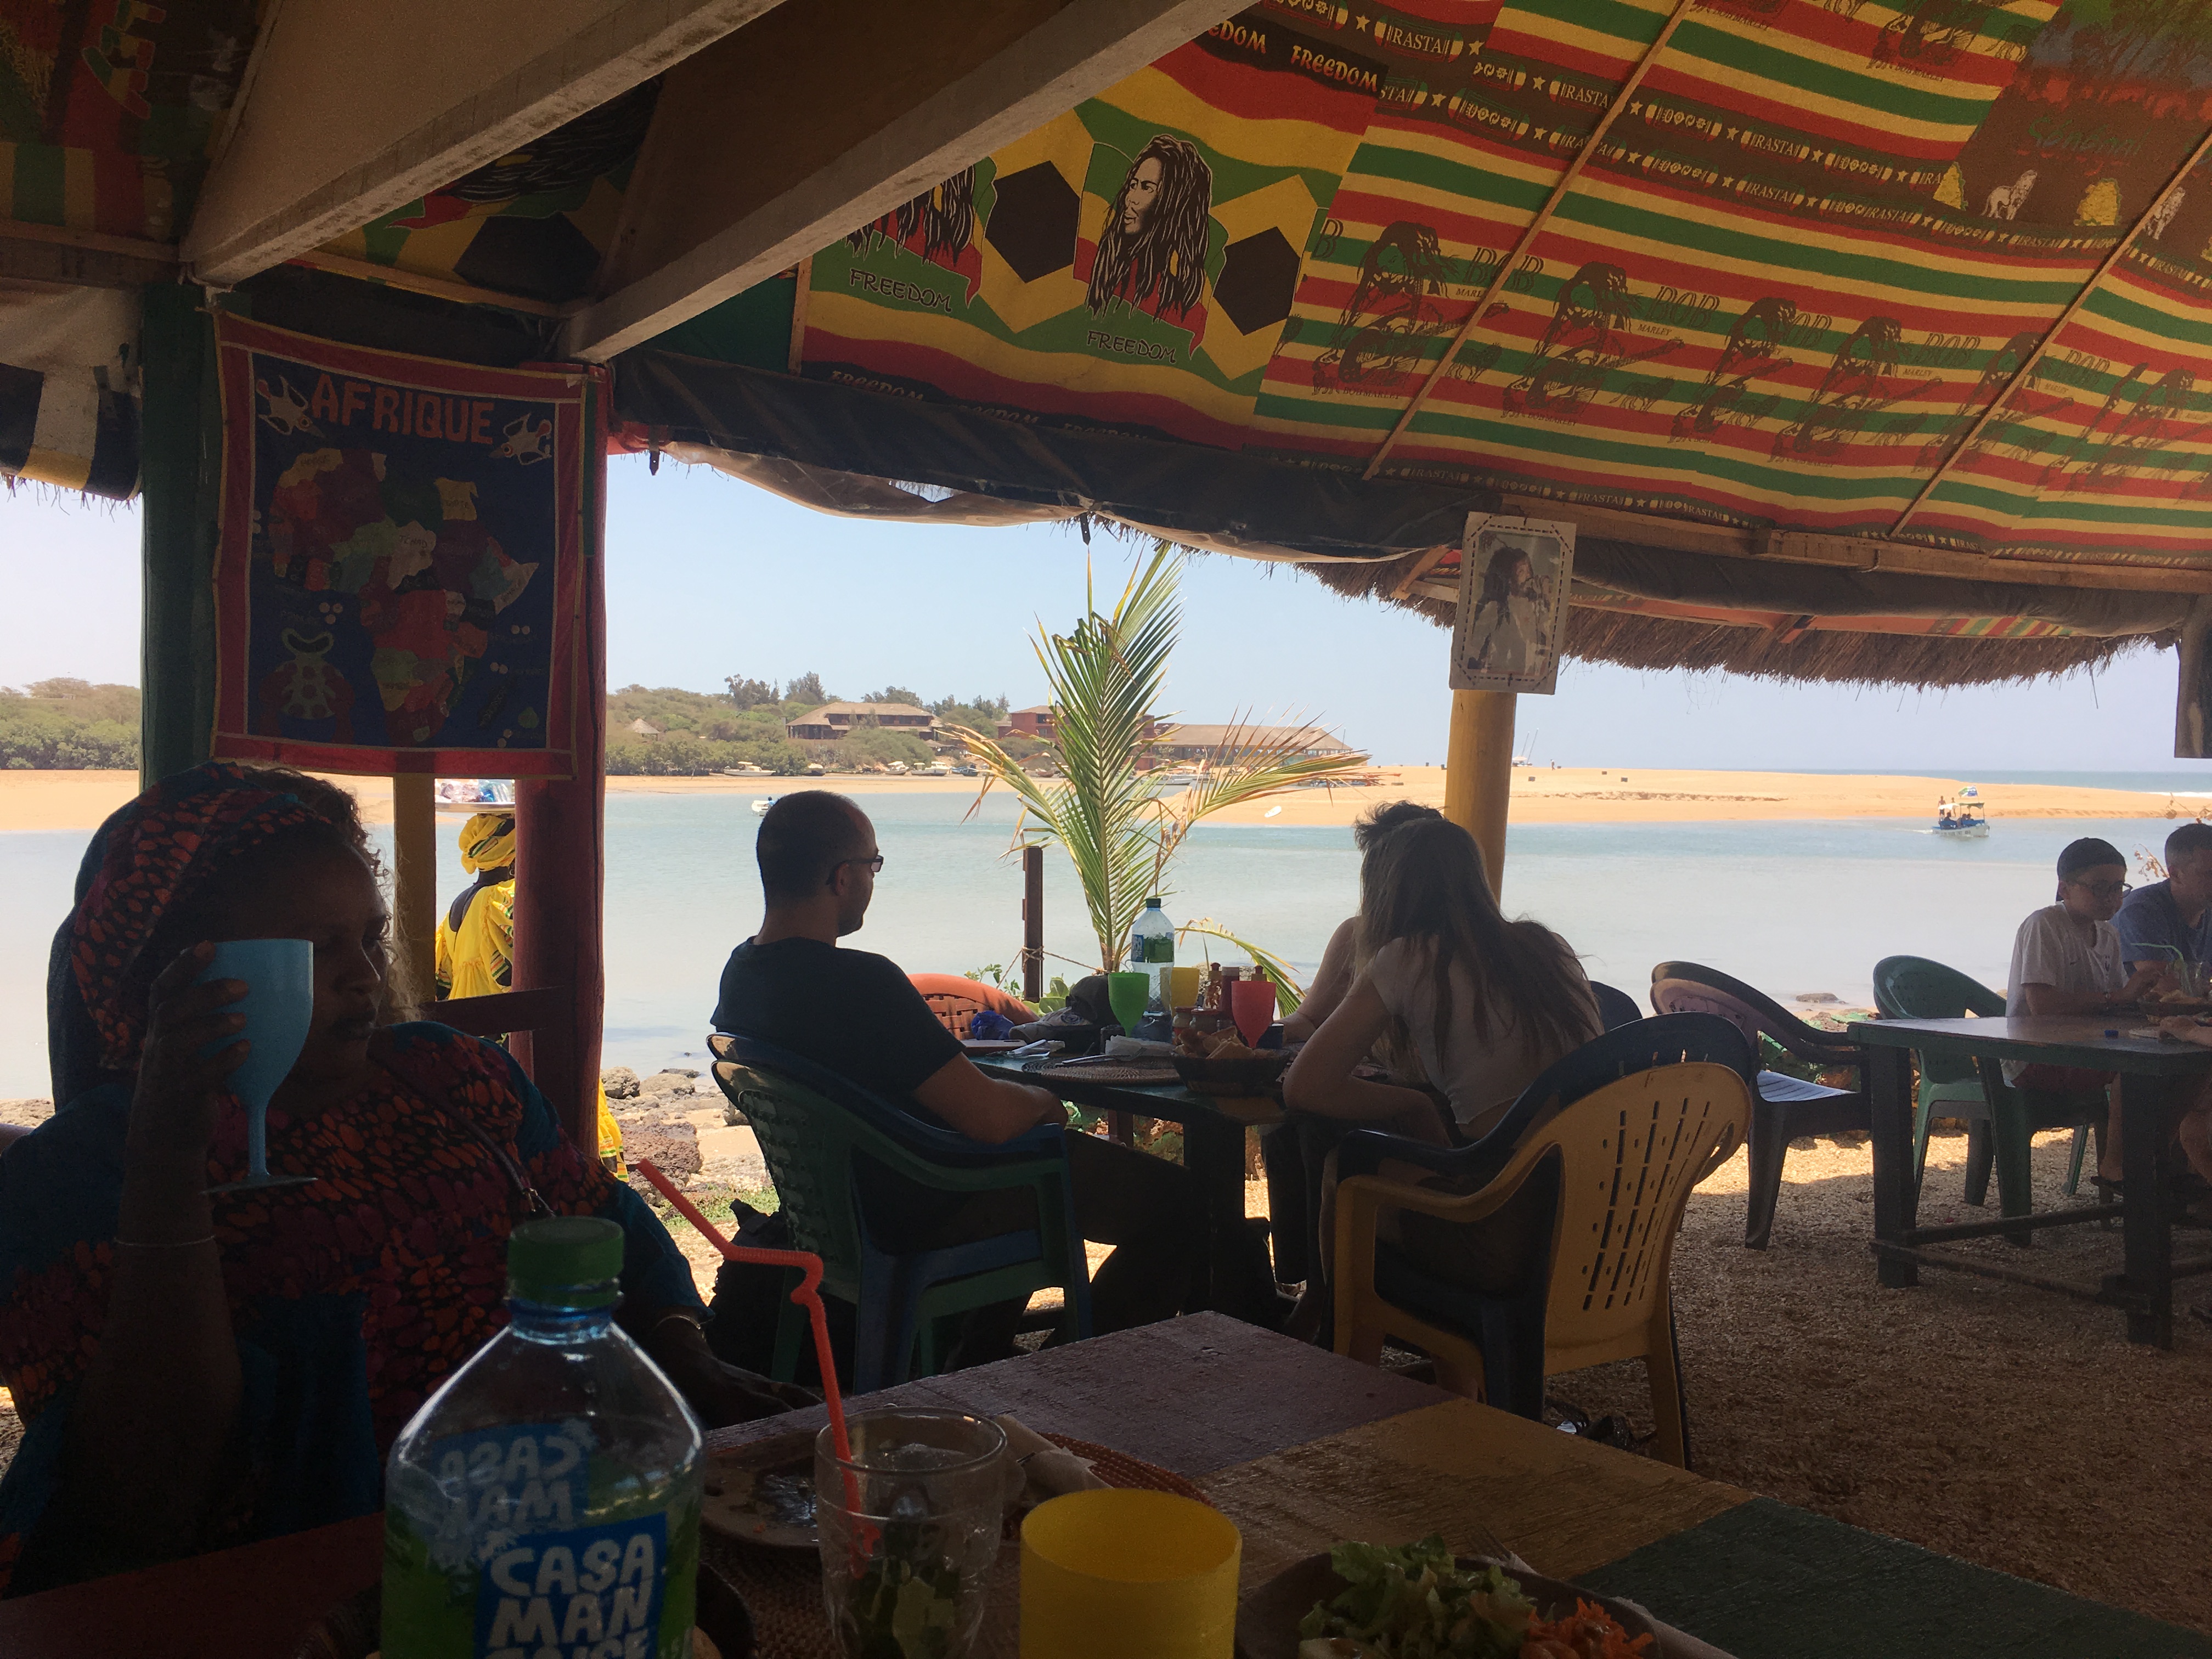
<point>355,109</point>
<point>84,258</point>
<point>1423,563</point>
<point>850,108</point>
<point>1478,774</point>
<point>442,287</point>
<point>1865,554</point>
<point>415,879</point>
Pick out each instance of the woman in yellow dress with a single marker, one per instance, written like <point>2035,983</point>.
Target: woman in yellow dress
<point>475,936</point>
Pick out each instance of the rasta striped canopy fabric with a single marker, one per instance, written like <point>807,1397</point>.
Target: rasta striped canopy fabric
<point>1840,283</point>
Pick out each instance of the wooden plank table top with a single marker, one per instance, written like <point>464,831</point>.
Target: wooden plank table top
<point>1301,1449</point>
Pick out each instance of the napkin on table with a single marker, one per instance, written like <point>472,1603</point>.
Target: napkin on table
<point>1051,1471</point>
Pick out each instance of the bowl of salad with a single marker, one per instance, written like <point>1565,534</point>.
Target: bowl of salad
<point>1420,1601</point>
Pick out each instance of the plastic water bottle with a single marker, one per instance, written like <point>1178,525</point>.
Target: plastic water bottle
<point>1152,947</point>
<point>545,1501</point>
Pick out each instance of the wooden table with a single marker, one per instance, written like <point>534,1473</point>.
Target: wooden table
<point>2157,1079</point>
<point>1213,1151</point>
<point>1300,1448</point>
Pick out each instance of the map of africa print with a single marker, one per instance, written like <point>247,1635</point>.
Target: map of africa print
<point>401,548</point>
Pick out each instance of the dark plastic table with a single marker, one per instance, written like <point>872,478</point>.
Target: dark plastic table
<point>2157,1079</point>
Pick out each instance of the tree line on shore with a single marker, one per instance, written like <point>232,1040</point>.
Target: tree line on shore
<point>73,725</point>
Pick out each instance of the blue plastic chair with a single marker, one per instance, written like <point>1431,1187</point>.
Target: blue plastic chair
<point>813,1126</point>
<point>1507,1324</point>
<point>1615,1008</point>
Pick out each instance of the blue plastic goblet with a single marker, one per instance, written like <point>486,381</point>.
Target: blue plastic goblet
<point>279,1006</point>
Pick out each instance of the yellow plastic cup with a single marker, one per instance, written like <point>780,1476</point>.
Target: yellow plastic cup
<point>1113,1573</point>
<point>1182,984</point>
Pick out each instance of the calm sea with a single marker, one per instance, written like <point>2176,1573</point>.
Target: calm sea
<point>1791,907</point>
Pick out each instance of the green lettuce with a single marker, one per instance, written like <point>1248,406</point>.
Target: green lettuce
<point>1415,1601</point>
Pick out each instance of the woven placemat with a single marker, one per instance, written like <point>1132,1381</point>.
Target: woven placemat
<point>783,1590</point>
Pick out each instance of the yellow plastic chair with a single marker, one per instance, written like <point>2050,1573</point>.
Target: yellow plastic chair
<point>1602,1180</point>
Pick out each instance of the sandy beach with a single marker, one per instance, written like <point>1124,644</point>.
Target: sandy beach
<point>79,800</point>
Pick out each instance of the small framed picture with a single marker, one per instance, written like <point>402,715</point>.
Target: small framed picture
<point>1514,574</point>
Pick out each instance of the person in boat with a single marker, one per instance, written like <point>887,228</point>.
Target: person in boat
<point>791,985</point>
<point>2067,959</point>
<point>2171,919</point>
<point>199,1368</point>
<point>474,948</point>
<point>1486,1003</point>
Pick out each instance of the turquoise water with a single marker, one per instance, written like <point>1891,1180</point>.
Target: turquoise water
<point>1790,907</point>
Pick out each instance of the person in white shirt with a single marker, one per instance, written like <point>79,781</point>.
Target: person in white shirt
<point>2066,960</point>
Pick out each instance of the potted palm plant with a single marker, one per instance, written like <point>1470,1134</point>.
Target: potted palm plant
<point>1120,825</point>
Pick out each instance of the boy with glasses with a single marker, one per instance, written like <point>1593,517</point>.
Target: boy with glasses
<point>2066,960</point>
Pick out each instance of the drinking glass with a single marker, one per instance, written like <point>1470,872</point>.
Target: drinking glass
<point>1252,1006</point>
<point>1182,980</point>
<point>909,1529</point>
<point>1110,1574</point>
<point>279,1006</point>
<point>1128,993</point>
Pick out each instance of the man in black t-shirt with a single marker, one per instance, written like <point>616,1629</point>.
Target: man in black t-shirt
<point>856,1014</point>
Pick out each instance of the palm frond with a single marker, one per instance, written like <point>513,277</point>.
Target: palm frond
<point>1117,824</point>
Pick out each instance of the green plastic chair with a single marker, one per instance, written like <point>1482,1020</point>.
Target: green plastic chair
<point>1914,988</point>
<point>813,1127</point>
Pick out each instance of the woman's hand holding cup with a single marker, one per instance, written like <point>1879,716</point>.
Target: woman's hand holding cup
<point>181,1077</point>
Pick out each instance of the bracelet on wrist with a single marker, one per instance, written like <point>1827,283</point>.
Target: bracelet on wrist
<point>123,1243</point>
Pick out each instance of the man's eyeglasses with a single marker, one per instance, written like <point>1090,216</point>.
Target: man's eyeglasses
<point>2103,890</point>
<point>875,865</point>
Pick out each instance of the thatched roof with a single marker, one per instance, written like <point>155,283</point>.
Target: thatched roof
<point>1598,632</point>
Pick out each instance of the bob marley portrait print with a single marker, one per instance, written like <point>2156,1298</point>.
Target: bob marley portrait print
<point>1151,251</point>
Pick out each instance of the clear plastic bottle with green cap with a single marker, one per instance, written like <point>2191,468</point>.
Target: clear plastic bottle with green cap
<point>545,1501</point>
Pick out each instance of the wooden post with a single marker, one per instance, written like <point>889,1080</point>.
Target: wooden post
<point>559,872</point>
<point>415,877</point>
<point>181,463</point>
<point>1032,924</point>
<point>1478,774</point>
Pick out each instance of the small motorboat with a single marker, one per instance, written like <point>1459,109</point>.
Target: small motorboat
<point>1956,820</point>
<point>762,803</point>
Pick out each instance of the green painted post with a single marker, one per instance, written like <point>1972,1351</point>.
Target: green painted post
<point>180,458</point>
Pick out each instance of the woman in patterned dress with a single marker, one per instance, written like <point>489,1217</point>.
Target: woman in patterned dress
<point>196,1370</point>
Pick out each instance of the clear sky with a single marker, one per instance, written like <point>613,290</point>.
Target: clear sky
<point>708,577</point>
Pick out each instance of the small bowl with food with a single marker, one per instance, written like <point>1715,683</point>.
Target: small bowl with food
<point>1218,1063</point>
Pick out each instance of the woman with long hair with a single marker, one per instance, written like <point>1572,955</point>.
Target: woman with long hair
<point>1487,1003</point>
<point>198,1365</point>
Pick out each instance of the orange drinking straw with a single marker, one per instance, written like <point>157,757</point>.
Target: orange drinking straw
<point>807,1295</point>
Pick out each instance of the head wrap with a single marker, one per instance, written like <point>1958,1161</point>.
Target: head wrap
<point>487,842</point>
<point>160,851</point>
<point>2087,853</point>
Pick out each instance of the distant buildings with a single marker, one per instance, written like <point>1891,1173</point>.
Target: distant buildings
<point>1175,742</point>
<point>839,720</point>
<point>1037,723</point>
<point>642,728</point>
<point>1198,743</point>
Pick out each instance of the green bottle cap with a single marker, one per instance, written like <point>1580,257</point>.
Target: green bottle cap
<point>570,1260</point>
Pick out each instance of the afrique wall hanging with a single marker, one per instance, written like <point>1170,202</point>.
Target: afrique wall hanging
<point>400,574</point>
